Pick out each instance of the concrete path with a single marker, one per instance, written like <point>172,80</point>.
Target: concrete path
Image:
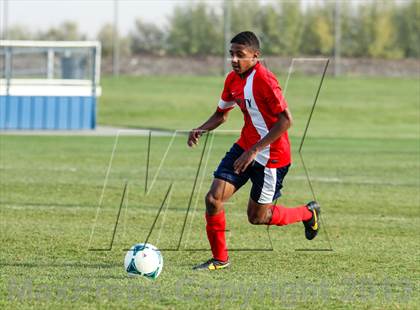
<point>99,131</point>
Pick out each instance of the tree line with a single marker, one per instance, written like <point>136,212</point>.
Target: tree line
<point>382,29</point>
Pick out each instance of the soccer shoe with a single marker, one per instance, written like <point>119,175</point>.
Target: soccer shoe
<point>212,264</point>
<point>312,225</point>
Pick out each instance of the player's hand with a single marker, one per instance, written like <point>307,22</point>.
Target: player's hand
<point>244,161</point>
<point>194,136</point>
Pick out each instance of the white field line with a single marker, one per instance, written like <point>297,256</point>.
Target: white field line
<point>84,169</point>
<point>321,179</point>
<point>102,131</point>
<point>99,131</point>
<point>318,179</point>
<point>161,163</point>
<point>346,181</point>
<point>103,189</point>
<point>44,207</point>
<point>167,203</point>
<point>290,71</point>
<point>36,168</point>
<point>203,173</point>
<point>125,211</point>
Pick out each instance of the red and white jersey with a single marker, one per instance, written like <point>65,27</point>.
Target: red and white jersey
<point>259,96</point>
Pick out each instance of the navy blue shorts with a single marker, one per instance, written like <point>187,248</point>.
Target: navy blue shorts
<point>266,182</point>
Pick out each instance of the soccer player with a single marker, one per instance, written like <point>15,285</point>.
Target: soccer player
<point>262,153</point>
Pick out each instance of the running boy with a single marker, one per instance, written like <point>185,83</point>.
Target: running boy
<point>262,153</point>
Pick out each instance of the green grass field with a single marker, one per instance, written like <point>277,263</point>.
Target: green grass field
<point>363,154</point>
<point>347,107</point>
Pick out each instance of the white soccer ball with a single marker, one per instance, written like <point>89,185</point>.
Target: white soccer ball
<point>143,260</point>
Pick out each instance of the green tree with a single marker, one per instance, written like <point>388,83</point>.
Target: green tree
<point>19,32</point>
<point>246,16</point>
<point>67,31</point>
<point>384,33</point>
<point>195,29</point>
<point>318,36</point>
<point>350,25</point>
<point>377,31</point>
<point>106,37</point>
<point>291,27</point>
<point>271,36</point>
<point>408,21</point>
<point>363,29</point>
<point>147,38</point>
<point>279,25</point>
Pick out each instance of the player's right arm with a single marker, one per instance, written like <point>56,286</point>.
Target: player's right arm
<point>226,104</point>
<point>218,118</point>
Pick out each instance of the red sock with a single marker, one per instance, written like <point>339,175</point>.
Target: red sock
<point>284,216</point>
<point>216,225</point>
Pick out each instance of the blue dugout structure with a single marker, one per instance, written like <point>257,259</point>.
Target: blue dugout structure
<point>49,85</point>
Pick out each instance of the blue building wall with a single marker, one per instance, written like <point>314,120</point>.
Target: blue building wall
<point>47,112</point>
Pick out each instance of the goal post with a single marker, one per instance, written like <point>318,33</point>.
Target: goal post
<point>49,84</point>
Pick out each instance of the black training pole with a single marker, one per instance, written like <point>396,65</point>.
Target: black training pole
<point>303,162</point>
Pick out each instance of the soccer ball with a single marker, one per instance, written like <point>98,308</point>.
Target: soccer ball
<point>143,260</point>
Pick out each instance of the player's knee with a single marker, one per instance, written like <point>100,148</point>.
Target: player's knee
<point>254,219</point>
<point>211,200</point>
<point>213,203</point>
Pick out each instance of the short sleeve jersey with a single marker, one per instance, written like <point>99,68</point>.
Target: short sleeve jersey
<point>260,99</point>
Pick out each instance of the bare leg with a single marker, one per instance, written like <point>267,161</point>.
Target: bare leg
<point>268,214</point>
<point>220,192</point>
<point>259,214</point>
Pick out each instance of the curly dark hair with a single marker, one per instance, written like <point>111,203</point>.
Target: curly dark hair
<point>247,38</point>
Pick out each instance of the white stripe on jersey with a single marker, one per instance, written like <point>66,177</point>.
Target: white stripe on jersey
<point>226,104</point>
<point>269,187</point>
<point>256,118</point>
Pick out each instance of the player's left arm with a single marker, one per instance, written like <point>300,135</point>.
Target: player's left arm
<point>283,123</point>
